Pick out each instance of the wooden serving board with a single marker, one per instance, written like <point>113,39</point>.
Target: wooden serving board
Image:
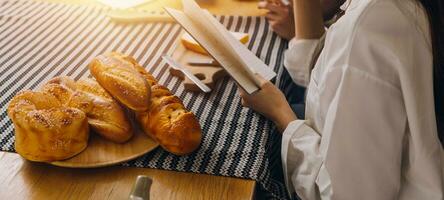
<point>209,75</point>
<point>101,152</point>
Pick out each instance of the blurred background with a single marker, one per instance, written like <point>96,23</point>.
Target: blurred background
<point>239,7</point>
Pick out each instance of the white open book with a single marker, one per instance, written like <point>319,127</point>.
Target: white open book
<point>233,56</point>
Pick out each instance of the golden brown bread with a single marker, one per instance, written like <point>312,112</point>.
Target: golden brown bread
<point>46,130</point>
<point>115,74</point>
<point>107,117</point>
<point>104,114</point>
<point>167,121</point>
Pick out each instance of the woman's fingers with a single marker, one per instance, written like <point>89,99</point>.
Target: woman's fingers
<point>243,96</point>
<point>270,16</point>
<point>241,91</point>
<point>246,97</point>
<point>279,16</point>
<point>244,103</point>
<point>270,102</point>
<point>271,7</point>
<point>262,80</point>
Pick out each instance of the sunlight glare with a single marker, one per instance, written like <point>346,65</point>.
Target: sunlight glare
<point>123,4</point>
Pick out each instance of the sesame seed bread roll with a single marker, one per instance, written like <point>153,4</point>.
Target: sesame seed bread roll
<point>46,130</point>
<point>115,73</point>
<point>105,116</point>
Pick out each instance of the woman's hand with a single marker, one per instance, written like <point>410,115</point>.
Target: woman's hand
<point>271,103</point>
<point>280,17</point>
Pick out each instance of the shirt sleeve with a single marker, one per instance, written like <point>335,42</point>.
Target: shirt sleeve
<point>358,153</point>
<point>301,159</point>
<point>298,59</point>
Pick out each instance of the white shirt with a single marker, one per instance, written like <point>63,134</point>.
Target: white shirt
<point>370,129</point>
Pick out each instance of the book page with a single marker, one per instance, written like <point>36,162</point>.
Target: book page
<point>252,62</point>
<point>217,49</point>
<point>203,19</point>
<point>247,58</point>
<point>220,44</point>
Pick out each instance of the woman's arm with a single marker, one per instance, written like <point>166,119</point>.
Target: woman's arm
<point>303,49</point>
<point>308,19</point>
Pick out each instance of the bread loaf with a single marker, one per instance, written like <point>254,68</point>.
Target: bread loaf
<point>105,115</point>
<point>167,121</point>
<point>46,130</point>
<point>115,74</point>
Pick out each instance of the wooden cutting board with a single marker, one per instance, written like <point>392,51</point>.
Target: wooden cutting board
<point>209,75</point>
<point>101,152</point>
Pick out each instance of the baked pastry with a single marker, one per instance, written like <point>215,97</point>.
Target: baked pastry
<point>167,121</point>
<point>46,130</point>
<point>105,115</point>
<point>115,74</point>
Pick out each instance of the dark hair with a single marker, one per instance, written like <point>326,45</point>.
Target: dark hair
<point>435,12</point>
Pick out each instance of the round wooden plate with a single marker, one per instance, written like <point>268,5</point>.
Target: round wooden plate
<point>101,152</point>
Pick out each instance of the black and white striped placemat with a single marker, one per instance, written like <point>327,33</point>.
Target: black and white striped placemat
<point>40,40</point>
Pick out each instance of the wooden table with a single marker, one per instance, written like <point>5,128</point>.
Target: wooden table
<point>20,179</point>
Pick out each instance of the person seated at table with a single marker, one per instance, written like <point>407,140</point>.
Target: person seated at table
<point>299,61</point>
<point>374,125</point>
